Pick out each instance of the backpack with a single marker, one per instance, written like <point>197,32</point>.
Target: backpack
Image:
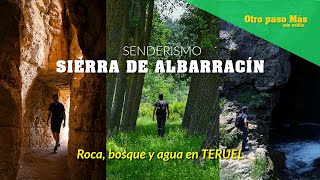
<point>239,121</point>
<point>161,107</point>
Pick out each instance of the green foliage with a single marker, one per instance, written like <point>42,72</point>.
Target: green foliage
<point>191,25</point>
<point>231,140</point>
<point>222,102</point>
<point>153,85</point>
<point>259,168</point>
<point>160,36</point>
<point>174,91</point>
<point>145,138</point>
<point>174,117</point>
<point>196,23</point>
<point>176,110</point>
<point>112,145</point>
<point>257,101</point>
<point>145,110</point>
<point>253,100</point>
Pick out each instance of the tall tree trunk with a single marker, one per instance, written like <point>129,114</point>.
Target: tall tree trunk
<point>192,94</point>
<point>190,102</point>
<point>204,104</point>
<point>127,120</point>
<point>140,79</point>
<point>202,110</point>
<point>121,83</point>
<point>212,135</point>
<point>115,12</point>
<point>125,124</point>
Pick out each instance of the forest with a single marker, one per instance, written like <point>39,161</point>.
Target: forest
<point>193,98</point>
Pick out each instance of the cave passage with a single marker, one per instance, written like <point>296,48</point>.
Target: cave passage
<point>297,114</point>
<point>34,35</point>
<point>295,123</point>
<point>38,160</point>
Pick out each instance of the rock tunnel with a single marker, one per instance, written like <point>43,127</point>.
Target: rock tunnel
<point>298,102</point>
<point>33,36</point>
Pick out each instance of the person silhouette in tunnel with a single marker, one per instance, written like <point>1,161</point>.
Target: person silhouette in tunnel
<point>57,116</point>
<point>161,109</point>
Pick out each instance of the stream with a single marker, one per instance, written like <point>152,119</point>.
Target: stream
<point>301,145</point>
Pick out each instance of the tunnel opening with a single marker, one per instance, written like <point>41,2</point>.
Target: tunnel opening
<point>34,35</point>
<point>55,39</point>
<point>295,123</point>
<point>298,101</point>
<point>64,95</point>
<point>39,84</point>
<point>37,141</point>
<point>36,133</point>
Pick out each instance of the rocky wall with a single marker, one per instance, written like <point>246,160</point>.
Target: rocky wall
<point>87,127</point>
<point>10,89</point>
<point>260,92</point>
<point>35,130</point>
<point>43,41</point>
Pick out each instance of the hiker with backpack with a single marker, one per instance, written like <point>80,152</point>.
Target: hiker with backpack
<point>242,124</point>
<point>161,109</point>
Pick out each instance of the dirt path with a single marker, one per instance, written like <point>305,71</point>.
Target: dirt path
<point>44,164</point>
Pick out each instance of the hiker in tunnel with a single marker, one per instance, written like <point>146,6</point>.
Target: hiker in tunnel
<point>161,109</point>
<point>242,124</point>
<point>57,116</point>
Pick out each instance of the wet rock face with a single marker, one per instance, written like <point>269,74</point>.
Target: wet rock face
<point>278,159</point>
<point>10,89</point>
<point>87,104</point>
<point>258,91</point>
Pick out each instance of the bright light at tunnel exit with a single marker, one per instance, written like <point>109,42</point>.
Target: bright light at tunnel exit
<point>64,132</point>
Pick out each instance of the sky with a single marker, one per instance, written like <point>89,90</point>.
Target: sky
<point>176,12</point>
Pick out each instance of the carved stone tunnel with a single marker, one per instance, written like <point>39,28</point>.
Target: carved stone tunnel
<point>33,36</point>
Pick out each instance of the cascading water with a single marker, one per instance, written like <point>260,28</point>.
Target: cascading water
<point>300,157</point>
<point>295,125</point>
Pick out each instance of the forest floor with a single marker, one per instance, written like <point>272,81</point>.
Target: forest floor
<point>44,164</point>
<point>145,139</point>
